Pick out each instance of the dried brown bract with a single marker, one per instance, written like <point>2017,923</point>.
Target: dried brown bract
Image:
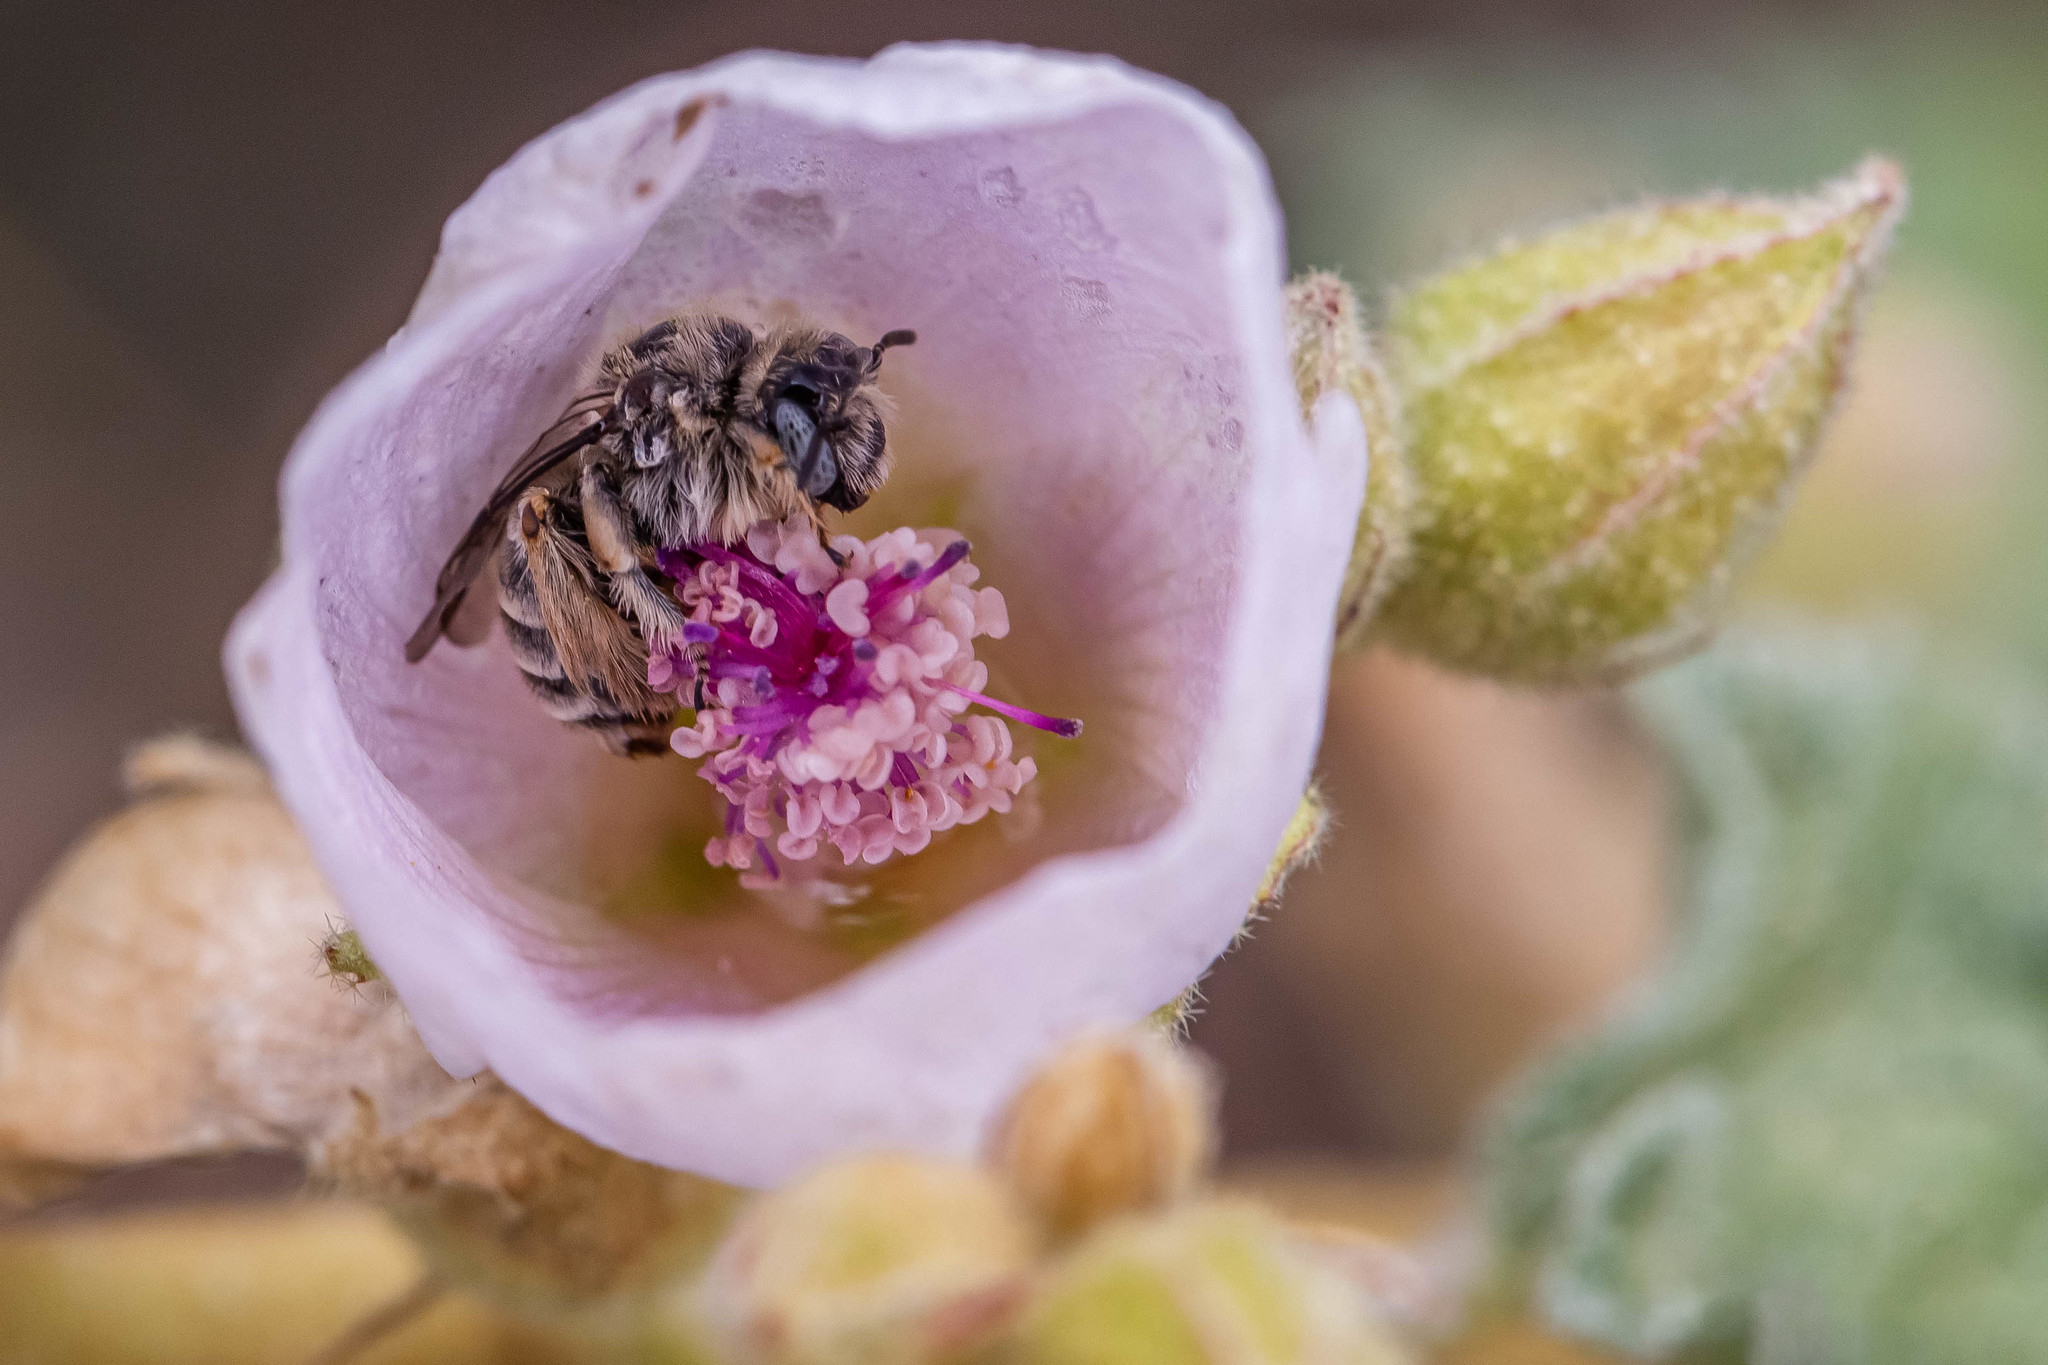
<point>506,1201</point>
<point>156,1000</point>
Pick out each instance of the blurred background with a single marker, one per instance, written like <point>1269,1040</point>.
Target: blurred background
<point>210,213</point>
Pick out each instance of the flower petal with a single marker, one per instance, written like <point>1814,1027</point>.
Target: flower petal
<point>1092,259</point>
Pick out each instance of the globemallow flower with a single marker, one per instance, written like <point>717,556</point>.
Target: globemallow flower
<point>1100,403</point>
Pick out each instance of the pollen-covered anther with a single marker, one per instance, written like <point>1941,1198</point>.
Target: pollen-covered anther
<point>831,697</point>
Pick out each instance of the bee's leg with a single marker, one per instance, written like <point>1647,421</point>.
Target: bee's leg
<point>610,532</point>
<point>824,536</point>
<point>592,709</point>
<point>531,565</point>
<point>533,649</point>
<point>525,629</point>
<point>633,739</point>
<point>626,734</point>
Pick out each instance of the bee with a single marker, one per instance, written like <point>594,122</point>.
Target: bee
<point>691,432</point>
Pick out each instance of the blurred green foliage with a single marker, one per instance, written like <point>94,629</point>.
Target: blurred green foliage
<point>1816,1135</point>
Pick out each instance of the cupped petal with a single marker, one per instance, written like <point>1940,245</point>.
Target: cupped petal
<point>1100,398</point>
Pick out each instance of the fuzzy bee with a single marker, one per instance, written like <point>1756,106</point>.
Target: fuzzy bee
<point>692,432</point>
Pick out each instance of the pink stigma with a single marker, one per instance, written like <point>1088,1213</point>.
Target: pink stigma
<point>830,698</point>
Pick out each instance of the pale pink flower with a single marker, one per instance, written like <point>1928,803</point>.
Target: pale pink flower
<point>1100,400</point>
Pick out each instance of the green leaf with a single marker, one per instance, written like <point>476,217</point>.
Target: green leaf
<point>1821,1132</point>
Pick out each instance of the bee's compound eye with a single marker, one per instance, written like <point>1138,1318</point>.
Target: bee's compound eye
<point>804,447</point>
<point>794,428</point>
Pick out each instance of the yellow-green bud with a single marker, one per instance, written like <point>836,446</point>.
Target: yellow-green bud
<point>873,1261</point>
<point>1207,1284</point>
<point>1299,844</point>
<point>1605,422</point>
<point>1331,351</point>
<point>1109,1125</point>
<point>345,960</point>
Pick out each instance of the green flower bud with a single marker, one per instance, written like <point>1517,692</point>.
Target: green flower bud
<point>874,1261</point>
<point>1300,842</point>
<point>1207,1284</point>
<point>344,959</point>
<point>1331,351</point>
<point>1605,422</point>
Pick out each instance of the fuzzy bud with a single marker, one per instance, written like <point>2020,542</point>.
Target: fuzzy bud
<point>1299,844</point>
<point>879,1260</point>
<point>1209,1284</point>
<point>1606,421</point>
<point>345,960</point>
<point>1110,1125</point>
<point>1332,351</point>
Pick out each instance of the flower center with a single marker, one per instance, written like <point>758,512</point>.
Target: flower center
<point>830,694</point>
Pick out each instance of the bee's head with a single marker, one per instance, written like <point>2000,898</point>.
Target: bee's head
<point>827,418</point>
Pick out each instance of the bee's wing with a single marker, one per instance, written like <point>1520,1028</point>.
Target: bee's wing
<point>480,541</point>
<point>470,623</point>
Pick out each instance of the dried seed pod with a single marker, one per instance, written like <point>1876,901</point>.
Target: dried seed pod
<point>159,998</point>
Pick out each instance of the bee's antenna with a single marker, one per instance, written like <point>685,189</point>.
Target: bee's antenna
<point>902,336</point>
